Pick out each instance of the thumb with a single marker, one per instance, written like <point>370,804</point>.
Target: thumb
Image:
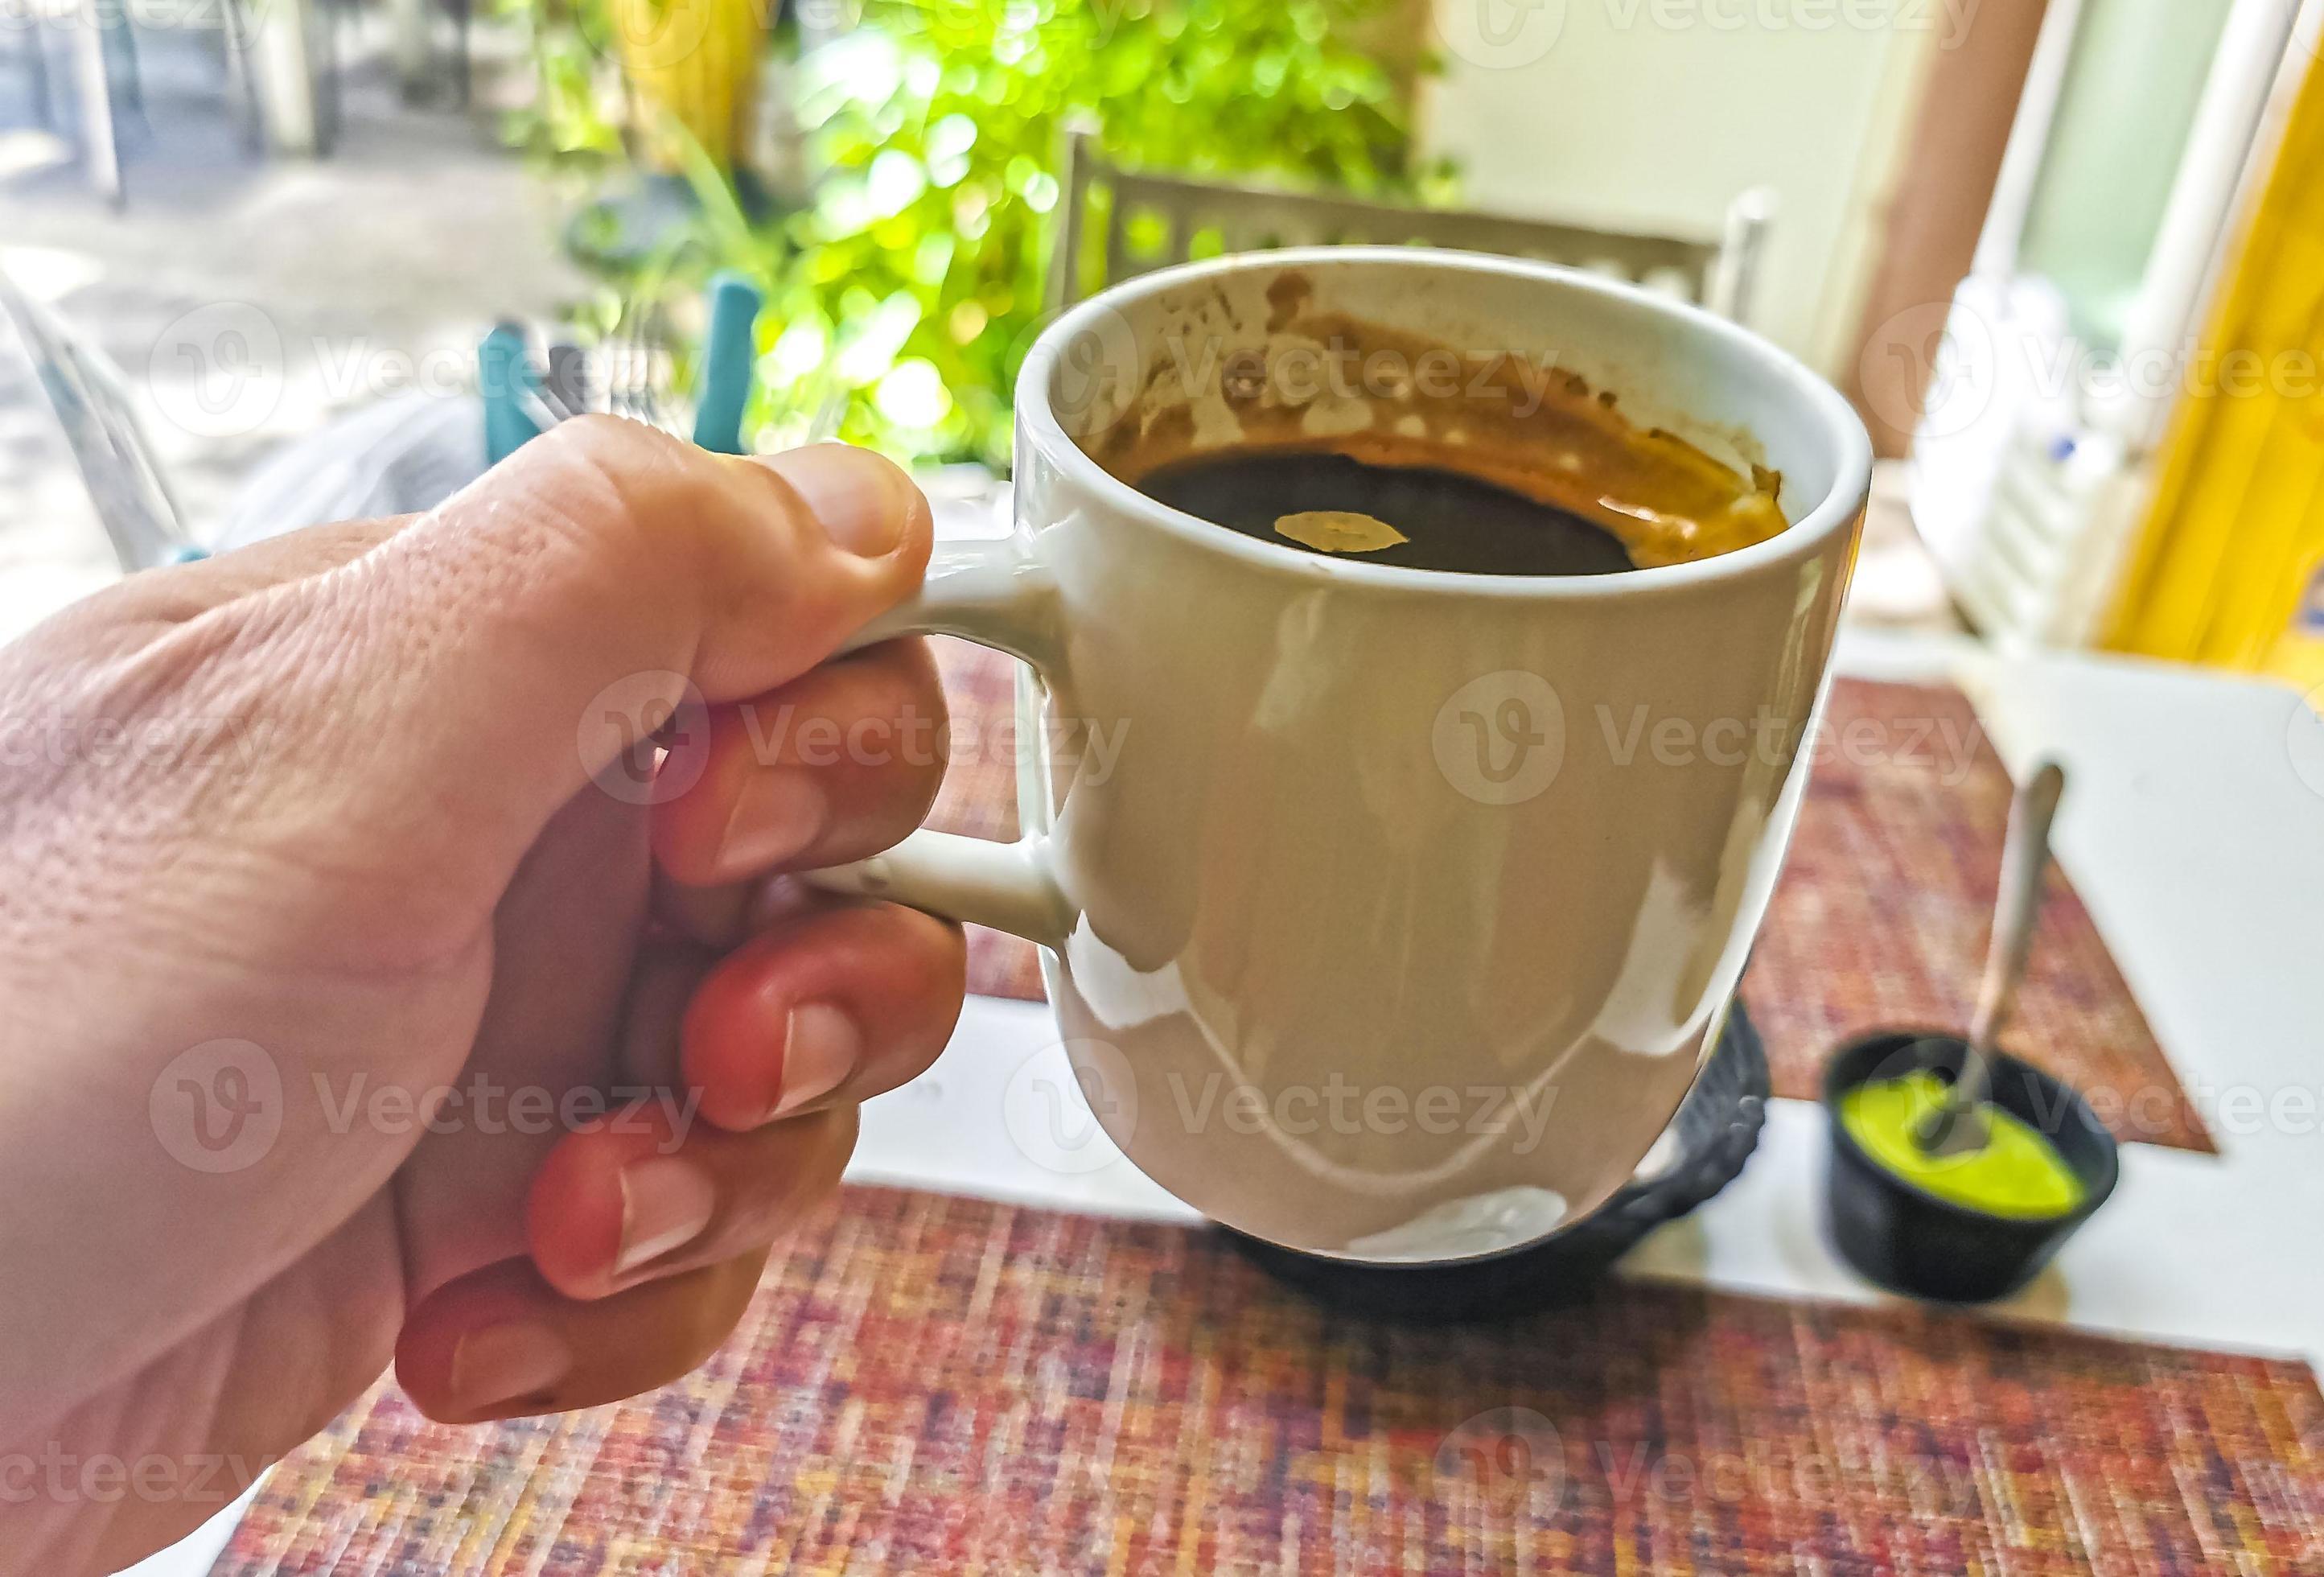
<point>456,684</point>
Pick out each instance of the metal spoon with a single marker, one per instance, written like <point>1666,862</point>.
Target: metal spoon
<point>1957,1128</point>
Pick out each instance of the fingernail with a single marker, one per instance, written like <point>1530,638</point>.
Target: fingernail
<point>820,1049</point>
<point>779,812</point>
<point>665,1204</point>
<point>861,500</point>
<point>501,1365</point>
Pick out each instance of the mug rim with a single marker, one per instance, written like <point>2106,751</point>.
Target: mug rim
<point>1836,511</point>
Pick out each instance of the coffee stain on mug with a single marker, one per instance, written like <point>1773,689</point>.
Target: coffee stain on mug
<point>1287,295</point>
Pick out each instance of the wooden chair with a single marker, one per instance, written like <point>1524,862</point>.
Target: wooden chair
<point>1714,273</point>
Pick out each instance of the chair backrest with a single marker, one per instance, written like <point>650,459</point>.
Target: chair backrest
<point>118,463</point>
<point>1172,212</point>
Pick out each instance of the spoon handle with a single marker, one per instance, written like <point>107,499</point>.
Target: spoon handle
<point>2024,861</point>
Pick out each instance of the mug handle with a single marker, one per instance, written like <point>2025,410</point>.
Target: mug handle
<point>997,595</point>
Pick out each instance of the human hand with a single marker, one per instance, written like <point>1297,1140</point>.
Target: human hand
<point>374,844</point>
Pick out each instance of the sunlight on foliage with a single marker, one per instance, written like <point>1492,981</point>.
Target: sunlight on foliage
<point>909,286</point>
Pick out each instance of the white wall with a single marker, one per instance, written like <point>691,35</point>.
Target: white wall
<point>1656,113</point>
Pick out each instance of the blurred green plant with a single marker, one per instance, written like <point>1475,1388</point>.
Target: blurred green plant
<point>563,125</point>
<point>906,288</point>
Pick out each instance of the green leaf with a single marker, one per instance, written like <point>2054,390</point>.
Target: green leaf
<point>912,283</point>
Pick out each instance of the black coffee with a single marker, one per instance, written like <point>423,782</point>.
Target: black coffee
<point>1308,498</point>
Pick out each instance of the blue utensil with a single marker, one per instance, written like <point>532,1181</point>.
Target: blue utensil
<point>729,351</point>
<point>504,378</point>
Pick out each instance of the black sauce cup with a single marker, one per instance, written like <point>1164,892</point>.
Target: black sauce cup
<point>1908,1240</point>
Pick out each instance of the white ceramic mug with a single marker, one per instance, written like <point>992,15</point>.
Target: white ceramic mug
<point>1410,903</point>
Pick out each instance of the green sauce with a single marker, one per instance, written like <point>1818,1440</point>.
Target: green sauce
<point>2018,1174</point>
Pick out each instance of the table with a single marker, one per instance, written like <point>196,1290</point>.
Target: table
<point>2195,833</point>
<point>2199,847</point>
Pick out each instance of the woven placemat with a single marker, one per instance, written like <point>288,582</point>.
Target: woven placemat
<point>1886,902</point>
<point>979,796</point>
<point>939,1385</point>
<point>1879,921</point>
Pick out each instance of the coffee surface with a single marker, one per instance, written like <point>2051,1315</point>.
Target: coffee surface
<point>1414,515</point>
<point>1354,439</point>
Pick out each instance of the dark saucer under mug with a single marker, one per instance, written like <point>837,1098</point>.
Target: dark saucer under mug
<point>1716,1129</point>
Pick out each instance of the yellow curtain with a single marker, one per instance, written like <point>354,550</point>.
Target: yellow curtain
<point>2229,570</point>
<point>694,64</point>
